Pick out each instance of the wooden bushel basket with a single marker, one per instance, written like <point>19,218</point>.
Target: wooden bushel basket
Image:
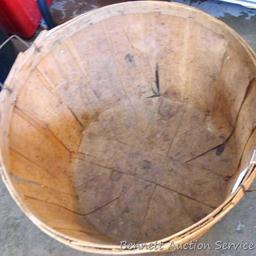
<point>130,123</point>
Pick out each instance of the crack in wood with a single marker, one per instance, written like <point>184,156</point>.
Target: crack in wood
<point>34,163</point>
<point>247,92</point>
<point>44,80</point>
<point>147,209</point>
<point>34,183</point>
<point>117,65</point>
<point>84,184</point>
<point>188,197</point>
<point>103,206</point>
<point>39,126</point>
<point>55,204</point>
<point>71,210</point>
<point>242,153</point>
<point>156,92</point>
<point>151,182</point>
<point>176,132</point>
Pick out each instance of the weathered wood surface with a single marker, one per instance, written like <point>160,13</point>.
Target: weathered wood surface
<point>130,123</point>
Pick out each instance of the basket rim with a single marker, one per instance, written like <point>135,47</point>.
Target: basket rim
<point>88,19</point>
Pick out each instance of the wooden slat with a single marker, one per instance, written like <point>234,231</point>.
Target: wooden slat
<point>50,111</point>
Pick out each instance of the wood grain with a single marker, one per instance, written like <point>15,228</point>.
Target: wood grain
<point>132,123</point>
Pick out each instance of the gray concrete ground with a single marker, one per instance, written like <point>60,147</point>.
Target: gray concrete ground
<point>19,237</point>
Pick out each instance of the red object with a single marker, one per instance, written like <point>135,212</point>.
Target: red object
<point>20,17</point>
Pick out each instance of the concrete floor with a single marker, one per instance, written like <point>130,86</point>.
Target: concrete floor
<point>19,237</point>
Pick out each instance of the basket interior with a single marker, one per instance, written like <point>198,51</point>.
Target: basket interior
<point>133,127</point>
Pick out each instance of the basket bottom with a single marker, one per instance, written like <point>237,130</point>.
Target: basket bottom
<point>128,186</point>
